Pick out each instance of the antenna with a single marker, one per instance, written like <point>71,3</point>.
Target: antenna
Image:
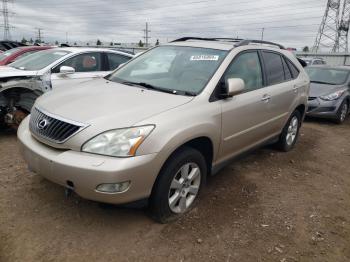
<point>341,43</point>
<point>328,31</point>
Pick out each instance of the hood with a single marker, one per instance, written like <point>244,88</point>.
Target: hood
<point>317,90</point>
<point>108,105</point>
<point>7,71</point>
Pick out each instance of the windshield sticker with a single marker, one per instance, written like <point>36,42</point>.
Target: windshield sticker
<point>204,58</point>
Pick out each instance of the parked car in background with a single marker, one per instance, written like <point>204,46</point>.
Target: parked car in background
<point>24,80</point>
<point>313,61</point>
<point>7,45</point>
<point>329,92</point>
<point>157,134</point>
<point>19,52</point>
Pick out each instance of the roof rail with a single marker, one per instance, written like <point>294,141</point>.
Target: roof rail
<point>240,42</point>
<point>207,39</point>
<point>247,42</point>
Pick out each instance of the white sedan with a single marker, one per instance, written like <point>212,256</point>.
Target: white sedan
<point>24,80</point>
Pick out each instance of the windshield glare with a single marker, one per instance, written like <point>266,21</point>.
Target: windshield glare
<point>327,75</point>
<point>39,60</point>
<point>172,68</point>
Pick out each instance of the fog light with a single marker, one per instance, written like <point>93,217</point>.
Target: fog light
<point>113,188</point>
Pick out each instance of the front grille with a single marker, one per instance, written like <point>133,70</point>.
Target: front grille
<point>52,128</point>
<point>311,98</point>
<point>311,108</point>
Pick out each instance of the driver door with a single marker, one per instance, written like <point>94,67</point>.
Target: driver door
<point>87,66</point>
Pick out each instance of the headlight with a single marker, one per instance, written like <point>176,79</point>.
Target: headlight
<point>119,142</point>
<point>333,96</point>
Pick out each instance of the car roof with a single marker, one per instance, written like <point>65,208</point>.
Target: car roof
<point>91,49</point>
<point>330,67</point>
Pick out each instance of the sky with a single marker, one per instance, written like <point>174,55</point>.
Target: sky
<point>293,23</point>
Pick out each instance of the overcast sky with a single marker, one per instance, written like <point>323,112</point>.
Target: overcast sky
<point>293,23</point>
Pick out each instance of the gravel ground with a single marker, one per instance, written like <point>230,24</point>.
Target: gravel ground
<point>268,206</point>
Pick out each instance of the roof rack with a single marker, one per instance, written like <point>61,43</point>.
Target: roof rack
<point>247,42</point>
<point>239,42</point>
<point>207,39</point>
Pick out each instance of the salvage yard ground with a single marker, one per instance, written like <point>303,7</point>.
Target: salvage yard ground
<point>268,206</point>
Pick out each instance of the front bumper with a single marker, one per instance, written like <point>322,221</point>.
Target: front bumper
<point>323,109</point>
<point>87,171</point>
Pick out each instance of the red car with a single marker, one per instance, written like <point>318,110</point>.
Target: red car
<point>11,55</point>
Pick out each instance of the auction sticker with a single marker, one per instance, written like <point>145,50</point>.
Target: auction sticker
<point>204,58</point>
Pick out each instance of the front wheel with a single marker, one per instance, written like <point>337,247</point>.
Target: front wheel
<point>290,133</point>
<point>342,113</point>
<point>178,185</point>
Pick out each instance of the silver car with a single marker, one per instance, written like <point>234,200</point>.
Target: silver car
<point>329,92</point>
<point>26,79</point>
<point>159,125</point>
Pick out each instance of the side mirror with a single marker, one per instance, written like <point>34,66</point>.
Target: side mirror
<point>67,70</point>
<point>235,86</point>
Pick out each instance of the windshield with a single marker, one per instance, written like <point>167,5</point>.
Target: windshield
<point>327,75</point>
<point>9,53</point>
<point>39,60</point>
<point>172,68</point>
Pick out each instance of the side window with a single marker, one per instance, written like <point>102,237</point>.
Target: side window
<point>247,67</point>
<point>114,60</point>
<point>274,68</point>
<point>88,62</point>
<point>293,69</point>
<point>287,72</point>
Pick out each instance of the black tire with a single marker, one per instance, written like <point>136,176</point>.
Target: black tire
<point>282,143</point>
<point>159,201</point>
<point>340,119</point>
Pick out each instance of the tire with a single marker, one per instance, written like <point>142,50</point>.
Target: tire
<point>171,187</point>
<point>290,133</point>
<point>342,112</point>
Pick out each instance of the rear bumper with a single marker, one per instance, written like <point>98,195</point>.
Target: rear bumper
<point>87,171</point>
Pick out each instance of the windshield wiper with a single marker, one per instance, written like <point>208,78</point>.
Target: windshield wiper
<point>152,87</point>
<point>320,82</point>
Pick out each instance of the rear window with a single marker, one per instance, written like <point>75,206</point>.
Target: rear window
<point>294,70</point>
<point>273,67</point>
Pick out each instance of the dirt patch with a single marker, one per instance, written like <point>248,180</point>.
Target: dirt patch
<point>268,206</point>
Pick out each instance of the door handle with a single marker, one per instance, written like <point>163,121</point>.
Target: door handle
<point>266,98</point>
<point>295,88</point>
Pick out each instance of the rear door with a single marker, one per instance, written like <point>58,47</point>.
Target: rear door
<point>87,66</point>
<point>282,88</point>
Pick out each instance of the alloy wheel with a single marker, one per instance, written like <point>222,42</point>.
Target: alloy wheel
<point>343,112</point>
<point>184,188</point>
<point>292,131</point>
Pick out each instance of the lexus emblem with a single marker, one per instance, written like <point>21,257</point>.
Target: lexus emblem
<point>43,123</point>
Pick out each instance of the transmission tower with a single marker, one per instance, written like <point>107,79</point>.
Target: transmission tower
<point>5,14</point>
<point>328,31</point>
<point>341,43</point>
<point>146,35</point>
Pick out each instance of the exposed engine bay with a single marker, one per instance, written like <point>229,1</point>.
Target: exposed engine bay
<point>17,97</point>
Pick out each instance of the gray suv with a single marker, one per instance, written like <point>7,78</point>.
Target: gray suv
<point>159,125</point>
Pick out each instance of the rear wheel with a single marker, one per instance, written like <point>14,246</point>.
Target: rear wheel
<point>290,133</point>
<point>342,112</point>
<point>178,185</point>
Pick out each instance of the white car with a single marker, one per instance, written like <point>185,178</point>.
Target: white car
<point>23,81</point>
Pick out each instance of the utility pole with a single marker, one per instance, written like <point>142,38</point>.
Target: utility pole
<point>66,37</point>
<point>39,36</point>
<point>328,31</point>
<point>262,33</point>
<point>5,14</point>
<point>146,35</point>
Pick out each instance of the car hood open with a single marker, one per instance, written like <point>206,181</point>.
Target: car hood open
<point>107,105</point>
<point>317,90</point>
<point>7,71</point>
